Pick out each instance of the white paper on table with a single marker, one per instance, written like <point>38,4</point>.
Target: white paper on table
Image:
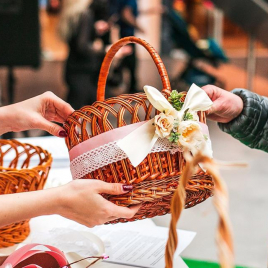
<point>53,230</point>
<point>142,247</point>
<point>116,239</point>
<point>47,229</point>
<point>177,263</point>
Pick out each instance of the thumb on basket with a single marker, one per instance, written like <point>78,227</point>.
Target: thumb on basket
<point>113,188</point>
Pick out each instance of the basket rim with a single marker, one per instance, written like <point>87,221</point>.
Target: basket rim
<point>13,147</point>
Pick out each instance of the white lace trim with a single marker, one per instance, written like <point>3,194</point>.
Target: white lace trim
<point>111,153</point>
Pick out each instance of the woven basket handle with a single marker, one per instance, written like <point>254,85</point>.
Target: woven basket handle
<point>109,58</point>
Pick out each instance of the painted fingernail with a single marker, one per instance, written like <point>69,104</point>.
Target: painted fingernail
<point>127,187</point>
<point>63,134</point>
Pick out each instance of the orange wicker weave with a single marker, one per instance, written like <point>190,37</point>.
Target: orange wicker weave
<point>19,174</point>
<point>157,177</point>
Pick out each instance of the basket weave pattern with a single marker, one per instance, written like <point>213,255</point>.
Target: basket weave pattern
<point>157,177</point>
<point>17,174</point>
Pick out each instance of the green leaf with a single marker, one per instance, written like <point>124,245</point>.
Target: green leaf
<point>174,137</point>
<point>175,99</point>
<point>188,116</point>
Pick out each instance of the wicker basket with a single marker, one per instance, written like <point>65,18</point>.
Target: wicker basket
<point>157,177</point>
<point>19,174</point>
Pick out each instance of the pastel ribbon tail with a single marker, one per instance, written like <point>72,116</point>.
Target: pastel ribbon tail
<point>196,100</point>
<point>206,150</point>
<point>156,98</point>
<point>139,143</point>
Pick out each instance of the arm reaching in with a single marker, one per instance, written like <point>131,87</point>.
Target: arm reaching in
<point>79,200</point>
<point>242,114</point>
<point>36,113</point>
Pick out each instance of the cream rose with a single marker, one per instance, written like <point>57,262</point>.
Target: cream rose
<point>191,136</point>
<point>163,124</point>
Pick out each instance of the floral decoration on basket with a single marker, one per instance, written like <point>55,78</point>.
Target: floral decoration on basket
<point>139,139</point>
<point>23,168</point>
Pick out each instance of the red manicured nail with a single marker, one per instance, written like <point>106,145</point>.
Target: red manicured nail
<point>63,134</point>
<point>127,187</point>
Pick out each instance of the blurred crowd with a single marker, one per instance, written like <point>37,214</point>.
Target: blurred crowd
<point>87,27</point>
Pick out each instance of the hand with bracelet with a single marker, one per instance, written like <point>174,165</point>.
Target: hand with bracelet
<point>79,200</point>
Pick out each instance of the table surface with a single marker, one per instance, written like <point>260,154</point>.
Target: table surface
<point>60,168</point>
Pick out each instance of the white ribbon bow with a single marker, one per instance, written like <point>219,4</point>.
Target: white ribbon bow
<point>139,143</point>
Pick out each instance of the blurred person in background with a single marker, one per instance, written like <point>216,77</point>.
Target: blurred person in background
<point>84,26</point>
<point>127,12</point>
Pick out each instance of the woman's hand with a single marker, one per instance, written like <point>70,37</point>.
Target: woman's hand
<point>36,113</point>
<point>82,202</point>
<point>79,200</point>
<point>226,106</point>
